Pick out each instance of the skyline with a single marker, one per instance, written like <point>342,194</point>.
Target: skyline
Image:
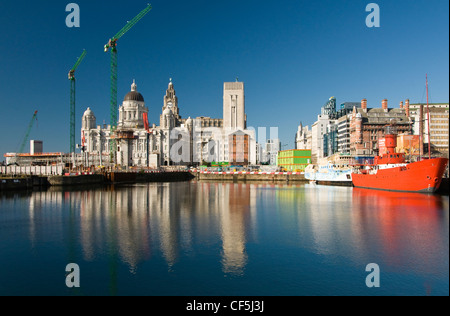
<point>292,57</point>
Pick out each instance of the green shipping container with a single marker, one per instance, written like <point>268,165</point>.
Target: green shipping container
<point>294,159</point>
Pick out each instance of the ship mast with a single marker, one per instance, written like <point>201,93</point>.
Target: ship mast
<point>429,122</point>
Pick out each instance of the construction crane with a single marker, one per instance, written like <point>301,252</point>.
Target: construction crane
<point>112,44</point>
<point>30,126</point>
<point>72,101</point>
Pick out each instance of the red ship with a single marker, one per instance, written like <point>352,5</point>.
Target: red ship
<point>391,171</point>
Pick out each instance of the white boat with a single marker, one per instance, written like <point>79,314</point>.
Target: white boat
<point>329,174</point>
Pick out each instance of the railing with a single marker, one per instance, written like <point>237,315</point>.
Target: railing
<point>31,170</point>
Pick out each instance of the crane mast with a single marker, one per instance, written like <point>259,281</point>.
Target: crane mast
<point>72,101</point>
<point>112,46</point>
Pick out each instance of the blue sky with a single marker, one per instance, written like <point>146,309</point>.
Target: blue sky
<point>291,55</point>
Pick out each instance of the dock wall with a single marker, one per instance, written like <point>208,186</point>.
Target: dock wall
<point>251,176</point>
<point>23,183</point>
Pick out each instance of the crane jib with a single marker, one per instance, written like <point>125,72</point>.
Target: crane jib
<point>80,59</point>
<point>27,134</point>
<point>133,22</point>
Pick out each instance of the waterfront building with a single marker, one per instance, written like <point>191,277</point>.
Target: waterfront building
<point>36,147</point>
<point>329,108</point>
<point>343,134</point>
<point>303,137</point>
<point>227,139</point>
<point>234,117</point>
<point>235,127</point>
<point>170,103</point>
<point>337,137</point>
<point>319,129</point>
<point>269,151</point>
<point>439,127</point>
<point>330,133</point>
<point>273,146</point>
<point>238,148</point>
<point>205,121</point>
<point>330,139</point>
<point>294,160</point>
<point>133,146</point>
<point>346,108</point>
<point>367,126</point>
<point>176,141</point>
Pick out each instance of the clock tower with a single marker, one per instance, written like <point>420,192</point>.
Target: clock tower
<point>171,103</point>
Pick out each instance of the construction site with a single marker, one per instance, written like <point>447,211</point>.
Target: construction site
<point>129,143</point>
<point>38,162</point>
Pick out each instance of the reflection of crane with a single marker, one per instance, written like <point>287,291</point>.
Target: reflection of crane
<point>72,101</point>
<point>25,139</point>
<point>112,43</point>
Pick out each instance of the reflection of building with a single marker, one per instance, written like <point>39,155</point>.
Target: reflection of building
<point>150,227</point>
<point>233,215</point>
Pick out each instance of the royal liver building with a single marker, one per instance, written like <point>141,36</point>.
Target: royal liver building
<point>176,141</point>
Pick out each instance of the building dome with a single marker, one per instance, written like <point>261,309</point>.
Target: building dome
<point>89,120</point>
<point>133,95</point>
<point>88,112</point>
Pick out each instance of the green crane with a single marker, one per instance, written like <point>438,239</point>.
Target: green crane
<point>72,101</point>
<point>25,139</point>
<point>112,43</point>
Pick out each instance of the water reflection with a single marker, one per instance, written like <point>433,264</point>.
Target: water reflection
<point>134,222</point>
<point>236,224</point>
<point>234,213</point>
<point>401,226</point>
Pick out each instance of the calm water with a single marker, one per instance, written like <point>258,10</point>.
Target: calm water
<point>223,239</point>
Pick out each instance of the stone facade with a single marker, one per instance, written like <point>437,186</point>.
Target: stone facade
<point>176,141</point>
<point>234,106</point>
<point>303,137</point>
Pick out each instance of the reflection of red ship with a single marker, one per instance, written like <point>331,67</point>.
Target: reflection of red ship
<point>391,171</point>
<point>418,206</point>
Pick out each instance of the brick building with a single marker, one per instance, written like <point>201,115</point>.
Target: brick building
<point>239,147</point>
<point>367,126</point>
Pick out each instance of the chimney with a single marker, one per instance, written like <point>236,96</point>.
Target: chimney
<point>407,107</point>
<point>401,104</point>
<point>364,105</point>
<point>385,105</point>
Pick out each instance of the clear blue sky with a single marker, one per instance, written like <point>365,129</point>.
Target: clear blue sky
<point>292,55</point>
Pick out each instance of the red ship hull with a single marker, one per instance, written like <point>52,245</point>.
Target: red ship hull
<point>423,176</point>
